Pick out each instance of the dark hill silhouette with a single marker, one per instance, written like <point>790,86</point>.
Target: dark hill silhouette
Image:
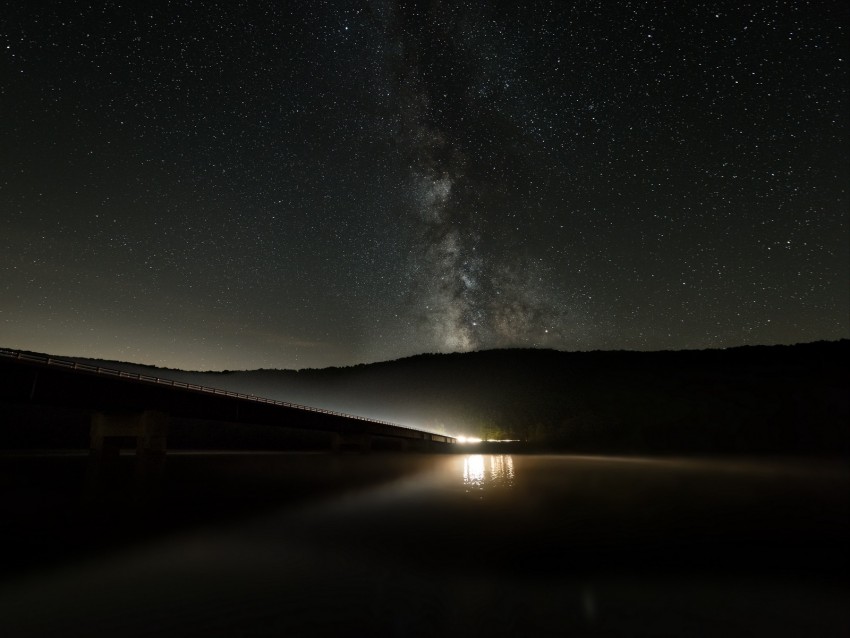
<point>752,399</point>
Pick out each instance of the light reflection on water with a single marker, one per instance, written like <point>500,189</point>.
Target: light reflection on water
<point>492,471</point>
<point>584,544</point>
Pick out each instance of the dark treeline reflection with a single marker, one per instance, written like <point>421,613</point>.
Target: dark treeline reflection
<point>424,545</point>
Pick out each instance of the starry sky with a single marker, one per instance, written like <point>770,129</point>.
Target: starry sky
<point>229,185</point>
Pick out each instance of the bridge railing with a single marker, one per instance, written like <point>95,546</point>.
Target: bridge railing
<point>146,378</point>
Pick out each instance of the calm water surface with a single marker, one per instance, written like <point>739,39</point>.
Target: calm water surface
<point>432,545</point>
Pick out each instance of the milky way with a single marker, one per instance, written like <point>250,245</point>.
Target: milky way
<point>470,297</point>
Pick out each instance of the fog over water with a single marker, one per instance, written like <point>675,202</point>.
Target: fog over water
<point>460,545</point>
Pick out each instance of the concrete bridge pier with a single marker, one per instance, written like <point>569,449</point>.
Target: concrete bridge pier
<point>425,444</point>
<point>361,442</point>
<point>146,431</point>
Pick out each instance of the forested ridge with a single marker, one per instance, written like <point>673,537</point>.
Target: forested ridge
<point>752,399</point>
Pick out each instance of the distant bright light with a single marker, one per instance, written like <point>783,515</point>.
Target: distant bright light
<point>468,439</point>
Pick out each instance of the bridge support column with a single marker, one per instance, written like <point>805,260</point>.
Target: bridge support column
<point>148,430</point>
<point>362,442</point>
<point>365,443</point>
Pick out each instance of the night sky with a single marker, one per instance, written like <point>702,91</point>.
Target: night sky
<point>213,185</point>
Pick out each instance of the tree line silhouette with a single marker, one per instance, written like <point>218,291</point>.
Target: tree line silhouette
<point>750,400</point>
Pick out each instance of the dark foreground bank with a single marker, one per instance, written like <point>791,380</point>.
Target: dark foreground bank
<point>314,544</point>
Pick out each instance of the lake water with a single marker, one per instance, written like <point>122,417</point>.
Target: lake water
<point>419,545</point>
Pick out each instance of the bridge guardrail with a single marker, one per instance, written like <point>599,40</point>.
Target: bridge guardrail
<point>146,378</point>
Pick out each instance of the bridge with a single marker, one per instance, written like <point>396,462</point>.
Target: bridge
<point>138,406</point>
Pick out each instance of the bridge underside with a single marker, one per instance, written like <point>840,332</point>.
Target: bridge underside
<point>132,413</point>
